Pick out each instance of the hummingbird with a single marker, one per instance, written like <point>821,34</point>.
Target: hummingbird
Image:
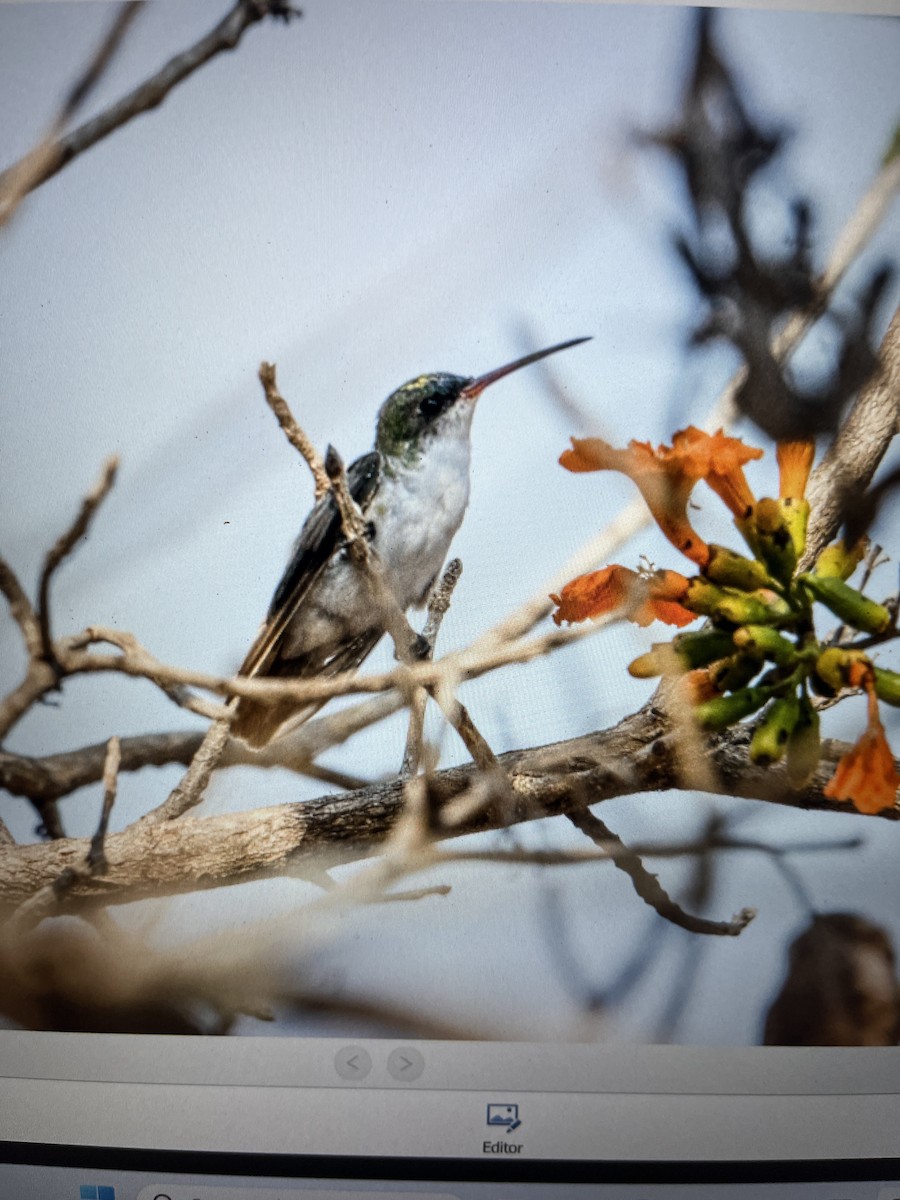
<point>412,489</point>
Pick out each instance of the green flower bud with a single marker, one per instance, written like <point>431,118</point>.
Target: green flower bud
<point>766,642</point>
<point>701,647</point>
<point>847,603</point>
<point>703,597</point>
<point>771,736</point>
<point>762,607</point>
<point>887,686</point>
<point>731,569</point>
<point>754,608</point>
<point>660,659</point>
<point>833,665</point>
<point>735,672</point>
<point>839,562</point>
<point>803,747</point>
<point>774,528</point>
<point>722,711</point>
<point>796,517</point>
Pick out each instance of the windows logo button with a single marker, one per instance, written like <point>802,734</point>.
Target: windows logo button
<point>96,1191</point>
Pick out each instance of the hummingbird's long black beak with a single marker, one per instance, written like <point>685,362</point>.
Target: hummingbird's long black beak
<point>474,389</point>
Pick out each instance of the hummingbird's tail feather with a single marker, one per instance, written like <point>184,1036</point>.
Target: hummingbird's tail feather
<point>257,722</point>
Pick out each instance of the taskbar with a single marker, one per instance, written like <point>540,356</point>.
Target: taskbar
<point>143,1174</point>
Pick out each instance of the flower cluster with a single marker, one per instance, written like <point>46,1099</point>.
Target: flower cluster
<point>759,651</point>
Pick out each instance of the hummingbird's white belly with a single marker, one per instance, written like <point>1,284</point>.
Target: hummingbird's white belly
<point>415,513</point>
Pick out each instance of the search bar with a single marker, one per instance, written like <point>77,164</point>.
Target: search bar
<point>292,1191</point>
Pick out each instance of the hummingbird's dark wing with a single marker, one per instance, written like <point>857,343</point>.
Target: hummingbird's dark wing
<point>319,540</point>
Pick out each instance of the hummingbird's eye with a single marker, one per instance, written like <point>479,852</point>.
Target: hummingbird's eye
<point>430,406</point>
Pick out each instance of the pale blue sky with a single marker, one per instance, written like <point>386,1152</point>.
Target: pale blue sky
<point>383,188</point>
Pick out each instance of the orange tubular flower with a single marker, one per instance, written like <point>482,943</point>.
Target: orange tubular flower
<point>595,595</point>
<point>866,775</point>
<point>795,461</point>
<point>720,460</point>
<point>662,481</point>
<point>667,476</point>
<point>665,591</point>
<point>617,589</point>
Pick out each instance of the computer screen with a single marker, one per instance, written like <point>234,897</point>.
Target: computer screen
<point>448,647</point>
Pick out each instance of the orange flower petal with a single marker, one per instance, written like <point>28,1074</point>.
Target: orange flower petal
<point>860,675</point>
<point>667,611</point>
<point>664,481</point>
<point>795,461</point>
<point>720,460</point>
<point>593,454</point>
<point>643,599</point>
<point>596,594</point>
<point>668,585</point>
<point>665,591</point>
<point>866,775</point>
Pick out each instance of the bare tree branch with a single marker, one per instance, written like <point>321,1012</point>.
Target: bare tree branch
<point>189,791</point>
<point>438,604</point>
<point>852,459</point>
<point>20,607</point>
<point>40,679</point>
<point>57,152</point>
<point>96,856</point>
<point>156,857</point>
<point>648,886</point>
<point>29,172</point>
<point>57,775</point>
<point>292,431</point>
<point>66,544</point>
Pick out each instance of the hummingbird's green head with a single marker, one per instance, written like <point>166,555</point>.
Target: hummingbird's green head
<point>420,409</point>
<point>439,405</point>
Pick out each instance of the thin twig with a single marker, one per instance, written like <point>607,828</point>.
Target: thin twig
<point>187,700</point>
<point>472,738</point>
<point>136,661</point>
<point>189,791</point>
<point>648,886</point>
<point>21,609</point>
<point>96,859</point>
<point>438,604</point>
<point>42,160</point>
<point>40,679</point>
<point>341,779</point>
<point>606,851</point>
<point>423,893</point>
<point>56,152</point>
<point>292,430</point>
<point>66,544</point>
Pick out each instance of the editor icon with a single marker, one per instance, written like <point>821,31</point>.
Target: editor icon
<point>504,1115</point>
